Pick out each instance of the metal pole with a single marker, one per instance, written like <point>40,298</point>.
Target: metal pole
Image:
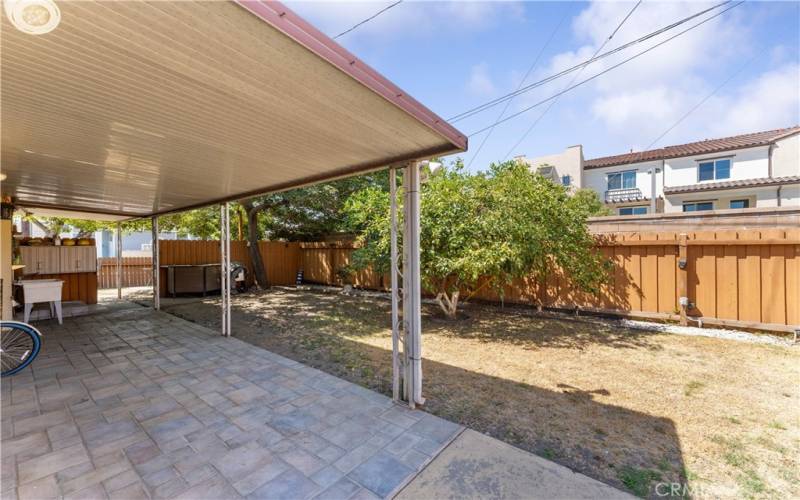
<point>412,299</point>
<point>228,264</point>
<point>118,251</point>
<point>156,266</point>
<point>223,284</point>
<point>396,362</point>
<point>225,249</point>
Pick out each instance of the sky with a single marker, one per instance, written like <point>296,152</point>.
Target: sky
<point>744,66</point>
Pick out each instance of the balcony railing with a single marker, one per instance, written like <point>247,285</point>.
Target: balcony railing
<point>623,195</point>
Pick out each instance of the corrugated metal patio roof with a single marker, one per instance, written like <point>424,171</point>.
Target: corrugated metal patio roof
<point>135,109</point>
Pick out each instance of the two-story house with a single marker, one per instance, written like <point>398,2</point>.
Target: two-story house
<point>755,170</point>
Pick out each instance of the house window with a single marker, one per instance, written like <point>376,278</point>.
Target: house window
<point>566,180</point>
<point>697,206</point>
<point>714,170</point>
<point>622,180</point>
<point>740,203</point>
<point>633,210</point>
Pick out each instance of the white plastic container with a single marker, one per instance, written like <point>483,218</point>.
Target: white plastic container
<point>42,290</point>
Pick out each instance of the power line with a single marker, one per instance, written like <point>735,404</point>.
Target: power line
<point>554,101</point>
<point>694,108</point>
<point>525,110</point>
<point>521,83</point>
<point>370,18</point>
<point>550,78</point>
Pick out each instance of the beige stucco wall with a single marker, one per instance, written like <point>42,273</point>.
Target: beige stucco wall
<point>569,162</point>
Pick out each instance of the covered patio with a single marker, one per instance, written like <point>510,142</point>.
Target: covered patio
<point>129,110</point>
<point>135,403</point>
<point>134,110</point>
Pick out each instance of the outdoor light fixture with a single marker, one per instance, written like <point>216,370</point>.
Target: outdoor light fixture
<point>34,17</point>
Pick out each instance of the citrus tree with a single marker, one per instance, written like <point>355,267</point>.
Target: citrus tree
<point>484,230</point>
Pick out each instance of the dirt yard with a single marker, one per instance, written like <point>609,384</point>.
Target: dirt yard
<point>630,408</point>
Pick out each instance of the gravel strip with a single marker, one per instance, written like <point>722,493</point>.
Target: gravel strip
<point>691,331</point>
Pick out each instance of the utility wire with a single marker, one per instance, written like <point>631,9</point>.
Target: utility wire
<point>370,18</point>
<point>554,101</point>
<point>694,108</point>
<point>525,110</point>
<point>521,83</point>
<point>550,78</point>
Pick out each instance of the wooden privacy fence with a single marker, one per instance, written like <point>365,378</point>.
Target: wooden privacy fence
<point>281,259</point>
<point>742,278</point>
<point>320,262</point>
<point>323,262</point>
<point>136,271</point>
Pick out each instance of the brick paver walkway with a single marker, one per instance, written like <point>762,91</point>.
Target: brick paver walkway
<point>131,403</point>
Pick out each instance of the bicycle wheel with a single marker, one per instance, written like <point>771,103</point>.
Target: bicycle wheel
<point>19,345</point>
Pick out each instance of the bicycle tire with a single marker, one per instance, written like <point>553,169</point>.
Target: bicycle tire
<point>20,343</point>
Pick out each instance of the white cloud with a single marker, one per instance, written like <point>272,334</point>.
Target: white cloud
<point>639,100</point>
<point>480,83</point>
<point>771,101</point>
<point>638,109</point>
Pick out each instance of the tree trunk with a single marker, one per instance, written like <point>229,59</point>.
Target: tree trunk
<point>449,305</point>
<point>240,224</point>
<point>259,272</point>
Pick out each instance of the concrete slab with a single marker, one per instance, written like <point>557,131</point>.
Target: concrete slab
<point>477,466</point>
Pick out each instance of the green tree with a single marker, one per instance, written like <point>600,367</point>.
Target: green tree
<point>588,201</point>
<point>201,223</point>
<point>304,214</point>
<point>57,225</point>
<point>484,229</point>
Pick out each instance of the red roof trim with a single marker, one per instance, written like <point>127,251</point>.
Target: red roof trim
<point>284,20</point>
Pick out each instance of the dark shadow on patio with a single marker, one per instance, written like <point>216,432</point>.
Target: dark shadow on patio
<point>620,446</point>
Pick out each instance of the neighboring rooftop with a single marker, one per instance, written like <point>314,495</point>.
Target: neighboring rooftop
<point>715,186</point>
<point>695,148</point>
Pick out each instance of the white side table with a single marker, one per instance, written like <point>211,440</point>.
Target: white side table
<point>36,291</point>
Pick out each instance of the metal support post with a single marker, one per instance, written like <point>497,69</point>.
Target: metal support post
<point>118,252</point>
<point>156,266</point>
<point>225,268</point>
<point>412,299</point>
<point>397,362</point>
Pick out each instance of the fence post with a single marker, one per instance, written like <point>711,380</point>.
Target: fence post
<point>683,278</point>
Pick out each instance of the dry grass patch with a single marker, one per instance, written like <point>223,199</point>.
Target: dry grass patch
<point>628,407</point>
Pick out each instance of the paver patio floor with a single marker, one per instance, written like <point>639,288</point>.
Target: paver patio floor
<point>131,403</point>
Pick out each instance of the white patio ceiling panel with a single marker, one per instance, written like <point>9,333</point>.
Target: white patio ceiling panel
<point>134,108</point>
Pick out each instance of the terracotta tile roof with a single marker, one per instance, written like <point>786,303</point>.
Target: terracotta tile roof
<point>694,148</point>
<point>714,186</point>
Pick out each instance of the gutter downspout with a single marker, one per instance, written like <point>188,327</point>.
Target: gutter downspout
<point>769,172</point>
<point>653,172</point>
<point>769,160</point>
<point>664,183</point>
